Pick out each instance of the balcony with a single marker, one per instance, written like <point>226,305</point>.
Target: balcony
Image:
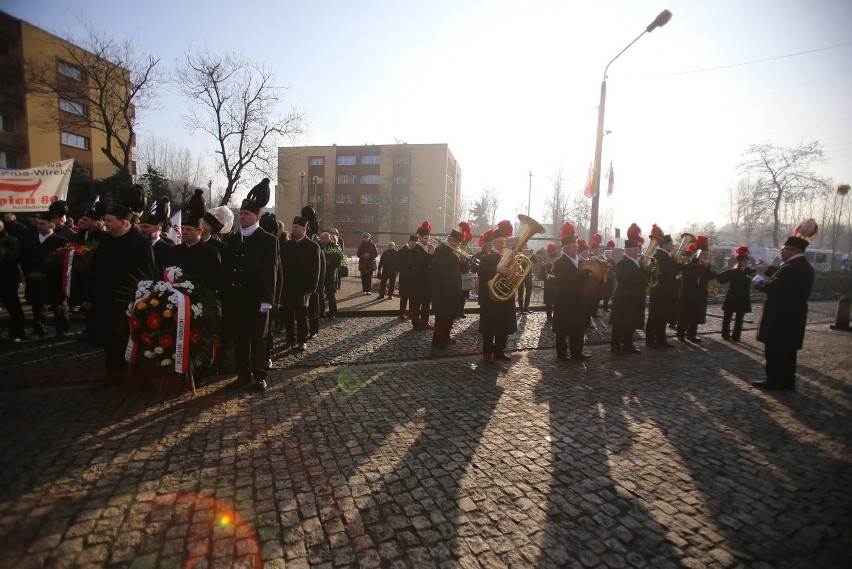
<point>13,142</point>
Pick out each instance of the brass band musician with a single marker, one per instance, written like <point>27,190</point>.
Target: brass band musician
<point>497,318</point>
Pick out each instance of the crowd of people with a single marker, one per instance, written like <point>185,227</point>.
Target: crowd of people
<point>270,280</point>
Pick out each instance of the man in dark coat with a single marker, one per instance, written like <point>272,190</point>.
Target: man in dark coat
<point>300,258</point>
<point>122,257</point>
<point>328,283</point>
<point>214,223</point>
<point>43,272</point>
<point>497,317</point>
<point>10,281</point>
<point>785,314</point>
<point>249,272</point>
<point>545,275</point>
<point>738,298</point>
<point>446,288</point>
<point>91,231</point>
<point>628,300</point>
<point>62,226</point>
<point>570,306</point>
<point>14,227</point>
<point>420,298</point>
<point>151,226</point>
<point>661,299</point>
<point>388,269</point>
<point>406,276</point>
<point>696,275</point>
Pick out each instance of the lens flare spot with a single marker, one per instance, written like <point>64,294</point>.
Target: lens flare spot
<point>225,520</point>
<point>348,381</point>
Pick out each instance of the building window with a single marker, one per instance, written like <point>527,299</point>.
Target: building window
<point>368,218</point>
<point>400,199</point>
<point>343,198</point>
<point>7,124</point>
<point>69,71</point>
<point>343,216</point>
<point>371,160</point>
<point>369,199</point>
<point>75,140</point>
<point>402,160</point>
<point>316,161</point>
<point>8,160</point>
<point>345,160</point>
<point>401,180</point>
<point>370,179</point>
<point>72,107</point>
<point>345,179</point>
<point>401,219</point>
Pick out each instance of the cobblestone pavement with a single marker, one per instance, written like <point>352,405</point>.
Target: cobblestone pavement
<point>372,450</point>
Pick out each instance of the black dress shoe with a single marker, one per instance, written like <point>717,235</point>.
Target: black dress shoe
<point>695,340</point>
<point>631,350</point>
<point>763,384</point>
<point>268,365</point>
<point>501,357</point>
<point>239,384</point>
<point>582,356</point>
<point>565,357</point>
<point>665,344</point>
<point>261,385</point>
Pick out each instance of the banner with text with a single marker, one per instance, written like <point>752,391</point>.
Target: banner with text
<point>34,189</point>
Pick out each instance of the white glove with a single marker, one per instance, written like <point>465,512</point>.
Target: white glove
<point>265,307</point>
<point>757,279</point>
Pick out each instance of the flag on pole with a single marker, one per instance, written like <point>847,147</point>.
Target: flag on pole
<point>174,228</point>
<point>610,180</point>
<point>588,191</point>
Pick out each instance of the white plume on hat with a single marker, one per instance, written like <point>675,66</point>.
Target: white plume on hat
<point>225,217</point>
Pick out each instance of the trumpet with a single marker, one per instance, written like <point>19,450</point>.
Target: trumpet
<point>462,255</point>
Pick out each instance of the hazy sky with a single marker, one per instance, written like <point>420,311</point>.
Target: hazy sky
<point>513,86</point>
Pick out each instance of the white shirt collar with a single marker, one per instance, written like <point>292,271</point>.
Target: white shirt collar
<point>43,238</point>
<point>249,231</point>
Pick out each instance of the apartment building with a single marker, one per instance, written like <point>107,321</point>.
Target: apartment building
<point>38,128</point>
<point>387,189</point>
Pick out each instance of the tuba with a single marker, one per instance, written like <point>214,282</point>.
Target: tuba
<point>649,263</point>
<point>685,239</point>
<point>503,287</point>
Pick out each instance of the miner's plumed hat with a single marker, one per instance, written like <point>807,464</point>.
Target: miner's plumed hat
<point>220,219</point>
<point>311,223</point>
<point>805,231</point>
<point>257,197</point>
<point>300,221</point>
<point>127,202</point>
<point>194,210</point>
<point>269,223</point>
<point>58,208</point>
<point>158,212</point>
<point>97,210</point>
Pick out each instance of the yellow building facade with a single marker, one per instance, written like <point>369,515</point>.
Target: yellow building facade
<point>38,128</point>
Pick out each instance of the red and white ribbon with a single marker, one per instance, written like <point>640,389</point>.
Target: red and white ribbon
<point>184,306</point>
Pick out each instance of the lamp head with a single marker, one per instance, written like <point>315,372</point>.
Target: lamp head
<point>302,175</point>
<point>659,21</point>
<point>315,180</point>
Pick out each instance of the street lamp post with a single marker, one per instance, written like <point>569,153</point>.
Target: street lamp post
<point>661,20</point>
<point>301,190</point>
<point>315,181</point>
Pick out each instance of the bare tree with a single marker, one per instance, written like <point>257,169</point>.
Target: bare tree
<point>102,85</point>
<point>184,170</point>
<point>782,176</point>
<point>484,211</point>
<point>556,203</point>
<point>236,101</point>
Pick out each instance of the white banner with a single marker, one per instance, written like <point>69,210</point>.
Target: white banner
<point>34,189</point>
<point>174,228</point>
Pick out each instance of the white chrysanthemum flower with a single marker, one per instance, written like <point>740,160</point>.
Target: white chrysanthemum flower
<point>166,362</point>
<point>158,350</point>
<point>130,309</point>
<point>174,298</point>
<point>197,310</point>
<point>149,354</point>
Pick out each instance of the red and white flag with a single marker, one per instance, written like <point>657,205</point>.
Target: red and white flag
<point>174,228</point>
<point>610,180</point>
<point>588,191</point>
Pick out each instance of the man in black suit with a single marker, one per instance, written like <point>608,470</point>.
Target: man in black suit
<point>62,226</point>
<point>10,282</point>
<point>785,314</point>
<point>249,273</point>
<point>570,313</point>
<point>421,290</point>
<point>301,260</point>
<point>497,317</point>
<point>445,288</point>
<point>151,226</point>
<point>628,300</point>
<point>122,258</point>
<point>662,298</point>
<point>43,272</point>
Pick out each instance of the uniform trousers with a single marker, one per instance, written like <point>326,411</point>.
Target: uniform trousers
<point>780,365</point>
<point>250,353</point>
<point>12,303</point>
<point>738,324</point>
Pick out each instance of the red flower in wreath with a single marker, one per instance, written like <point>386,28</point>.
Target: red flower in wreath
<point>146,339</point>
<point>135,323</point>
<point>154,321</point>
<point>166,341</point>
<point>195,335</point>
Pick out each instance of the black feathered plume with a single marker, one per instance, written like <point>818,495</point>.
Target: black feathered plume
<point>260,193</point>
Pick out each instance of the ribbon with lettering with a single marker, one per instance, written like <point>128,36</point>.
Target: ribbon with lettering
<point>184,307</point>
<point>67,267</point>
